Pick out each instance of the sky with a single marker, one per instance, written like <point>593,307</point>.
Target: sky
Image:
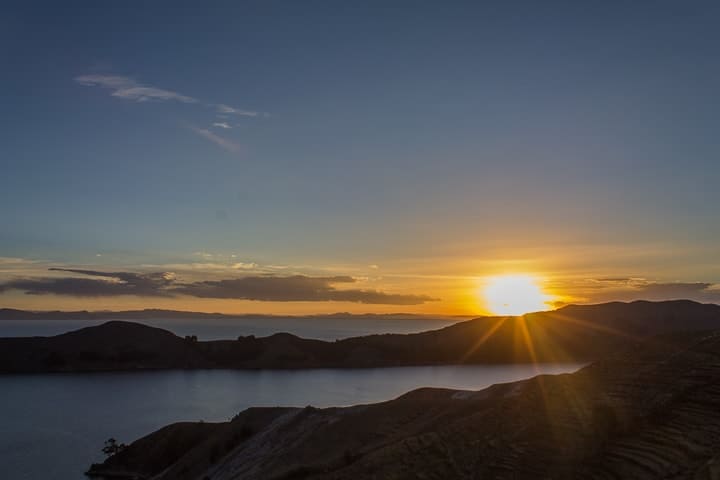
<point>318,156</point>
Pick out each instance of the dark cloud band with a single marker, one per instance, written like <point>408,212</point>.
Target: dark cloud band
<point>296,288</point>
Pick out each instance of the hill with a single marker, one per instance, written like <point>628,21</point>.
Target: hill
<point>570,334</point>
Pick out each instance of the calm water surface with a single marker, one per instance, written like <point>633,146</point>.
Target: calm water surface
<point>53,426</point>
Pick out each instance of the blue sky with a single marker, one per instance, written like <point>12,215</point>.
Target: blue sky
<point>414,146</point>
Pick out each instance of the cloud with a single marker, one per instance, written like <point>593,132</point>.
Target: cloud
<point>697,291</point>
<point>228,145</point>
<point>245,266</point>
<point>129,89</point>
<point>113,284</point>
<point>15,261</point>
<point>296,288</point>
<point>226,109</point>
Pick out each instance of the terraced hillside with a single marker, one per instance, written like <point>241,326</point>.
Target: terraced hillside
<point>650,412</point>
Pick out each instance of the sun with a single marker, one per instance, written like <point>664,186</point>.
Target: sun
<point>514,295</point>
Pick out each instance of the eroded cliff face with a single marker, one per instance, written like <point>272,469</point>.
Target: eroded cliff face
<point>651,412</point>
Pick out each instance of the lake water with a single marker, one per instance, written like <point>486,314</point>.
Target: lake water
<point>53,426</point>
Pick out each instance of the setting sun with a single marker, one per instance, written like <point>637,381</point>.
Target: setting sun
<point>514,295</point>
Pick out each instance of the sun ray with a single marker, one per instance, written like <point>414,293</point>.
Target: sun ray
<point>593,326</point>
<point>484,338</point>
<point>527,340</point>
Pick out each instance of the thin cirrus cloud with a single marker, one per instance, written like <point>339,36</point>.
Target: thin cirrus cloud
<point>295,288</point>
<point>226,109</point>
<point>228,145</point>
<point>129,89</point>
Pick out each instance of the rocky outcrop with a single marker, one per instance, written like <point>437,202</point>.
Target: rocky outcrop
<point>650,412</point>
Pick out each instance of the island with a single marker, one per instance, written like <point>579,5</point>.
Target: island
<point>575,333</point>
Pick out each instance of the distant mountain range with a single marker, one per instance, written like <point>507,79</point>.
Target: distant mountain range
<point>570,334</point>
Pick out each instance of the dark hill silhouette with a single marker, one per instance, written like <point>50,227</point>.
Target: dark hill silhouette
<point>645,317</point>
<point>111,346</point>
<point>570,334</point>
<point>652,411</point>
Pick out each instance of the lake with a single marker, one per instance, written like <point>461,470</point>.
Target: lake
<point>54,425</point>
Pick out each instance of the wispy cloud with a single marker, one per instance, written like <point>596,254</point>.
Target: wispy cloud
<point>228,145</point>
<point>245,266</point>
<point>129,89</point>
<point>227,109</point>
<point>15,261</point>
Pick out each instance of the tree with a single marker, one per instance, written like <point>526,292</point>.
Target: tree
<point>112,447</point>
